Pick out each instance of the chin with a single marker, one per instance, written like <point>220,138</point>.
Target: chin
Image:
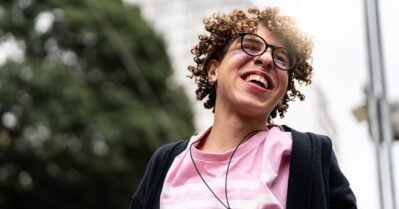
<point>254,110</point>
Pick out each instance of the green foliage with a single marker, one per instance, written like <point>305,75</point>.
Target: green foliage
<point>86,106</point>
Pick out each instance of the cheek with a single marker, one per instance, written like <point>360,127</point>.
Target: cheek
<point>282,77</point>
<point>241,57</point>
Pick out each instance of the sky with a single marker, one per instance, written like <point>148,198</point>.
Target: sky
<point>341,71</point>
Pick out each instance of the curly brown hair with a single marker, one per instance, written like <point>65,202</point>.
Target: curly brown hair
<point>223,28</point>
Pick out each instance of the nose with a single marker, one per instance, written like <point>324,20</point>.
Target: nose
<point>265,59</point>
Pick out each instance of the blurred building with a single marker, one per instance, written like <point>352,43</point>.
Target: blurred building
<point>179,22</point>
<point>312,114</point>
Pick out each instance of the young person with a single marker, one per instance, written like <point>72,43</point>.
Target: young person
<point>246,69</point>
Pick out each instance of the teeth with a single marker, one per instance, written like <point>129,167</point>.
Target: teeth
<point>257,78</point>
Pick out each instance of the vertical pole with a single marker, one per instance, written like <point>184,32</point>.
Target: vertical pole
<point>378,107</point>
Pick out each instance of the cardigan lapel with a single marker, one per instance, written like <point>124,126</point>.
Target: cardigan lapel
<point>301,171</point>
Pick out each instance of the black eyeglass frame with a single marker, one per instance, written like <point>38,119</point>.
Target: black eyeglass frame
<point>290,53</point>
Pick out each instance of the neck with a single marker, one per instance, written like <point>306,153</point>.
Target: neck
<point>228,130</point>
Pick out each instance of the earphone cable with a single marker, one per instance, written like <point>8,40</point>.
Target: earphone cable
<point>227,205</point>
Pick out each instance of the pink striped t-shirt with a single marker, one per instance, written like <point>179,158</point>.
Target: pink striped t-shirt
<point>257,177</point>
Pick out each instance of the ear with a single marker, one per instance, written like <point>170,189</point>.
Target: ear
<point>212,70</point>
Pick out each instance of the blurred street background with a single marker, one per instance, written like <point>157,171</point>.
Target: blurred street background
<point>89,88</point>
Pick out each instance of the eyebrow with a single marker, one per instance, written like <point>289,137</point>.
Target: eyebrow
<point>254,40</point>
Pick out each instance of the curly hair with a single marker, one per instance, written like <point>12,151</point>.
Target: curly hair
<point>223,28</point>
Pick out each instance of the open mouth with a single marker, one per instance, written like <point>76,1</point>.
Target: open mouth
<point>261,80</point>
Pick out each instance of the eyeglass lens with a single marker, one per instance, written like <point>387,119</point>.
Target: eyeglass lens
<point>254,45</point>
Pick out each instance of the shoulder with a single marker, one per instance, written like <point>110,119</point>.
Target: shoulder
<point>148,191</point>
<point>169,150</point>
<point>315,149</point>
<point>162,158</point>
<point>313,154</point>
<point>309,139</point>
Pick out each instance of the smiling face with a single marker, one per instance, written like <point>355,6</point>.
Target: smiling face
<point>248,85</point>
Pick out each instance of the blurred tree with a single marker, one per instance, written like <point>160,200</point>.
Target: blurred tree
<point>84,106</point>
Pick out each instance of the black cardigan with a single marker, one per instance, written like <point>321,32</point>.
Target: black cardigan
<point>315,179</point>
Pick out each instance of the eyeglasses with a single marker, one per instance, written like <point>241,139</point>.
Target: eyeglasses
<point>254,45</point>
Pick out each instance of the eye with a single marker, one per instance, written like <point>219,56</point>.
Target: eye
<point>252,45</point>
<point>281,58</point>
